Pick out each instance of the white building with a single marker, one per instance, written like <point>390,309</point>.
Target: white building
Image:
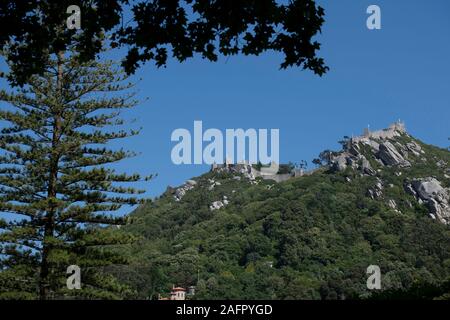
<point>178,293</point>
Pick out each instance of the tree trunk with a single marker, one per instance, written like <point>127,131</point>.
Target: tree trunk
<point>49,220</point>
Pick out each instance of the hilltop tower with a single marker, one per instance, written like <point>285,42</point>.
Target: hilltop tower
<point>398,126</point>
<point>366,132</point>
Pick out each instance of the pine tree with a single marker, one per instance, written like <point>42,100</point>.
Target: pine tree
<point>56,183</point>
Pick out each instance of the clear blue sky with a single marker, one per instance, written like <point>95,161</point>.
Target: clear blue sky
<point>376,77</point>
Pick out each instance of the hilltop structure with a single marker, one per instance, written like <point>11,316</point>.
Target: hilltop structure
<point>394,130</point>
<point>366,154</point>
<point>363,205</point>
<point>338,162</point>
<point>385,151</point>
<point>251,172</point>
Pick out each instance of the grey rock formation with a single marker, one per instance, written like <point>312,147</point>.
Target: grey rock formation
<point>381,145</point>
<point>216,205</point>
<point>372,144</point>
<point>244,169</point>
<point>437,198</point>
<point>441,164</point>
<point>180,192</point>
<point>428,188</point>
<point>191,182</point>
<point>393,205</point>
<point>339,163</point>
<point>390,156</point>
<point>353,159</point>
<point>377,191</point>
<point>410,148</point>
<point>367,168</point>
<point>212,184</point>
<point>415,148</point>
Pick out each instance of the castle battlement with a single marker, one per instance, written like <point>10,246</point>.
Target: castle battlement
<point>394,130</point>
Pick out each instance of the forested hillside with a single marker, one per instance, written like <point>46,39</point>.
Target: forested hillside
<point>311,237</point>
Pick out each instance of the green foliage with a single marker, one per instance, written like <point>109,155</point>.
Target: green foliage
<point>286,168</point>
<point>311,237</point>
<point>54,179</point>
<point>37,29</point>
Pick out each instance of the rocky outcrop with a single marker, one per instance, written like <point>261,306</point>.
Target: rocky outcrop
<point>244,169</point>
<point>377,191</point>
<point>216,205</point>
<point>353,159</point>
<point>409,149</point>
<point>212,184</point>
<point>384,146</point>
<point>415,148</point>
<point>390,156</point>
<point>437,198</point>
<point>372,144</point>
<point>442,164</point>
<point>180,192</point>
<point>340,162</point>
<point>367,168</point>
<point>393,205</point>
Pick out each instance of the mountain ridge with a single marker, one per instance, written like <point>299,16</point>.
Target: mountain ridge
<point>381,200</point>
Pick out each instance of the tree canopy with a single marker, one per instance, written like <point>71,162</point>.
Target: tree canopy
<point>34,30</point>
<point>55,180</point>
